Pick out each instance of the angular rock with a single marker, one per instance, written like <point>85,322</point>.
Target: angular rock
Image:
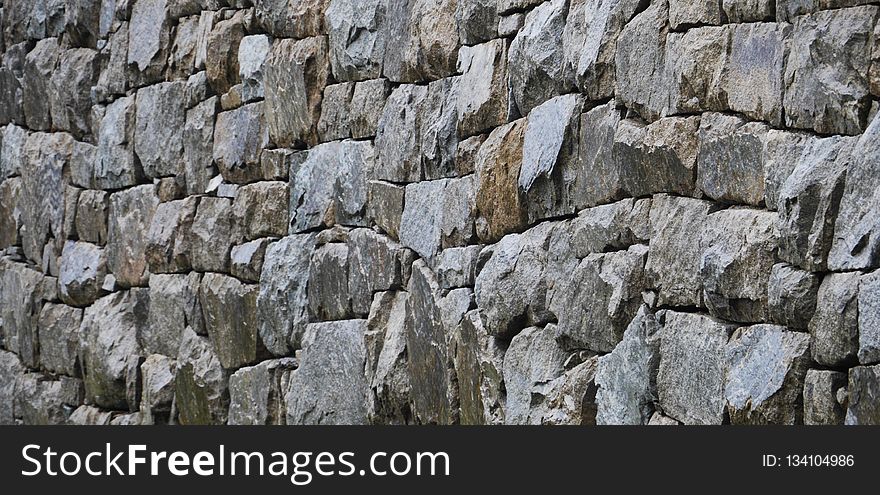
<point>42,193</point>
<point>821,388</point>
<point>484,100</point>
<point>690,381</point>
<point>357,37</point>
<point>367,103</point>
<point>230,311</point>
<point>131,213</point>
<point>282,303</point>
<point>422,43</point>
<point>387,370</point>
<point>729,166</point>
<point>157,373</point>
<point>261,209</point>
<point>375,264</point>
<point>869,318</point>
<point>753,80</point>
<point>239,137</point>
<point>149,39</point>
<point>198,146</point>
<point>438,214</point>
<point>438,121</point>
<point>478,360</point>
<point>252,52</point>
<point>159,129</point>
<point>329,387</point>
<point>19,310</point>
<point>116,166</point>
<point>335,108</point>
<point>213,235</point>
<point>92,209</point>
<point>531,363</point>
<point>498,165</point>
<point>89,416</point>
<point>457,266</point>
<point>10,370</point>
<point>82,271</point>
<point>601,176</point>
<point>168,248</point>
<point>59,340</point>
<point>791,296</point>
<point>69,90</point>
<point>42,400</point>
<point>835,324</point>
<point>13,150</point>
<point>256,394</point>
<point>114,79</point>
<point>863,391</point>
<point>571,399</point>
<point>695,63</point>
<point>385,206</point>
<point>221,52</point>
<point>10,214</point>
<point>174,307</point>
<point>246,260</point>
<point>181,61</point>
<point>200,387</point>
<point>397,137</point>
<point>684,13</point>
<point>328,287</point>
<point>477,21</point>
<point>640,71</point>
<point>39,64</point>
<point>782,152</point>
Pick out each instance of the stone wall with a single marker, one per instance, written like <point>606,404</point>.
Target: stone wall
<point>439,211</point>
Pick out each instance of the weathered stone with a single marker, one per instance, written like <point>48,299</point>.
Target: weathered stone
<point>386,366</point>
<point>478,360</point>
<point>114,80</point>
<point>640,70</point>
<point>358,36</point>
<point>610,227</point>
<point>13,150</point>
<point>782,152</point>
<point>10,371</point>
<point>766,365</point>
<point>809,200</point>
<point>252,52</point>
<point>864,396</point>
<point>198,146</point>
<point>438,214</point>
<point>82,162</point>
<point>59,340</point>
<point>239,137</point>
<point>247,259</point>
<point>869,318</point>
<point>174,307</point>
<point>108,348</point>
<point>221,52</point>
<point>531,363</point>
<point>19,310</point>
<point>457,266</point>
<point>367,103</point>
<point>230,311</point>
<point>483,101</point>
<point>329,185</point>
<point>69,90</point>
<point>729,166</point>
<point>739,250</point>
<point>42,194</point>
<point>510,24</point>
<point>42,400</point>
<point>753,78</point>
<point>835,324</point>
<point>476,20</point>
<point>398,135</point>
<point>791,296</point>
<point>39,64</point>
<point>690,381</point>
<point>157,393</point>
<point>695,63</point>
<point>600,175</point>
<point>385,206</point>
<point>131,213</point>
<point>213,235</point>
<point>149,39</point>
<point>159,129</point>
<point>335,108</point>
<point>685,13</point>
<point>329,386</point>
<point>536,57</point>
<point>828,50</point>
<point>11,74</point>
<point>261,209</point>
<point>82,271</point>
<point>294,76</point>
<point>89,416</point>
<point>92,209</point>
<point>571,398</point>
<point>116,165</point>
<point>422,42</point>
<point>438,121</point>
<point>627,377</point>
<point>256,394</point>
<point>282,303</point>
<point>328,287</point>
<point>168,240</point>
<point>200,387</point>
<point>375,264</point>
<point>820,397</point>
<point>498,163</point>
<point>181,61</point>
<point>10,214</point>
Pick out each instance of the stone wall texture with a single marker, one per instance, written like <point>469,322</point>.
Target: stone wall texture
<point>440,211</point>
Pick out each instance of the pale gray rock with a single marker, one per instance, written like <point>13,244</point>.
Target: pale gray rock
<point>386,367</point>
<point>131,213</point>
<point>174,307</point>
<point>276,164</point>
<point>252,52</point>
<point>531,363</point>
<point>438,129</point>
<point>291,18</point>
<point>43,400</point>
<point>82,271</point>
<point>691,377</point>
<point>335,109</point>
<point>181,61</point>
<point>11,74</point>
<point>89,416</point>
<point>510,24</point>
<point>398,144</point>
<point>477,20</point>
<point>367,103</point>
<point>246,260</point>
<point>20,308</point>
<point>159,128</point>
<point>10,371</point>
<point>201,392</point>
<point>739,250</point>
<point>149,39</point>
<point>830,49</point>
<point>820,397</point>
<point>114,80</point>
<point>747,11</point>
<point>484,99</point>
<point>239,137</point>
<point>357,36</point>
<point>213,235</point>
<point>869,318</point>
<point>328,286</point>
<point>695,63</point>
<point>422,41</point>
<point>42,192</point>
<point>640,62</point>
<point>457,266</point>
<point>256,393</point>
<point>438,214</point>
<point>753,79</point>
<point>157,385</point>
<point>766,366</point>
<point>791,296</point>
<point>385,206</point>
<point>69,91</point>
<point>329,386</point>
<point>13,149</point>
<point>835,324</point>
<point>261,209</point>
<point>116,165</point>
<point>571,399</point>
<point>375,264</point>
<point>92,209</point>
<point>82,161</point>
<point>168,240</point>
<point>729,166</point>
<point>864,396</point>
<point>230,311</point>
<point>685,13</point>
<point>782,152</point>
<point>39,64</point>
<point>198,146</point>
<point>602,177</point>
<point>611,227</point>
<point>59,338</point>
<point>627,377</point>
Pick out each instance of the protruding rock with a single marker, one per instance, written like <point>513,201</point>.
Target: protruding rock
<point>791,296</point>
<point>213,235</point>
<point>328,287</point>
<point>42,195</point>
<point>358,35</point>
<point>256,393</point>
<point>864,396</point>
<point>282,304</point>
<point>239,137</point>
<point>835,324</point>
<point>149,39</point>
<point>83,267</point>
<point>200,387</point>
<point>531,363</point>
<point>168,240</point>
<point>252,52</point>
<point>221,50</point>
<point>261,209</point>
<point>385,206</point>
<point>367,103</point>
<point>869,318</point>
<point>198,146</point>
<point>159,126</point>
<point>386,360</point>
<point>483,101</point>
<point>92,209</point>
<point>375,264</point>
<point>398,143</point>
<point>70,88</point>
<point>230,310</point>
<point>422,42</point>
<point>247,259</point>
<point>498,163</point>
<point>729,166</point>
<point>438,214</point>
<point>640,70</point>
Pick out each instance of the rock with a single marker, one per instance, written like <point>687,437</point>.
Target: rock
<point>696,62</point>
<point>158,388</point>
<point>328,287</point>
<point>294,76</point>
<point>261,208</point>
<point>198,146</point>
<point>375,264</point>
<point>498,163</point>
<point>483,101</point>
<point>438,121</point>
<point>69,95</point>
<point>510,24</point>
<point>766,369</point>
<point>791,296</point>
<point>109,348</point>
<point>531,363</point>
<point>59,340</point>
<point>602,177</point>
<point>131,213</point>
<point>358,34</point>
<point>247,259</point>
<point>536,57</point>
<point>239,137</point>
<point>438,214</point>
<point>809,201</point>
<point>683,13</point>
<point>41,400</point>
<point>820,397</point>
<point>200,387</point>
<point>39,64</point>
<point>291,18</point>
<point>739,251</point>
<point>627,377</point>
<point>114,78</point>
<point>42,194</point>
<point>11,74</point>
<point>365,110</point>
<point>230,311</point>
<point>611,227</point>
<point>159,129</point>
<point>457,267</point>
<point>10,371</point>
<point>830,49</point>
<point>385,206</point>
<point>149,39</point>
<point>282,303</point>
<point>729,166</point>
<point>398,143</point>
<point>89,416</point>
<point>92,209</point>
<point>753,79</point>
<point>213,235</point>
<point>168,248</point>
<point>571,399</point>
<point>422,42</point>
<point>252,52</point>
<point>82,271</point>
<point>863,391</point>
<point>600,299</point>
<point>174,307</point>
<point>466,154</point>
<point>640,73</point>
<point>10,214</point>
<point>387,370</point>
<point>19,309</point>
<point>673,264</point>
<point>181,61</point>
<point>590,43</point>
<point>221,52</point>
<point>82,162</point>
<point>329,387</point>
<point>869,318</point>
<point>856,231</point>
<point>256,393</point>
<point>329,185</point>
<point>782,152</point>
<point>116,166</point>
<point>835,324</point>
<point>690,381</point>
<point>334,121</point>
<point>477,21</point>
<point>478,360</point>
<point>13,150</point>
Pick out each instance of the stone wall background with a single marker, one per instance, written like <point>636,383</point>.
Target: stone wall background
<point>439,211</point>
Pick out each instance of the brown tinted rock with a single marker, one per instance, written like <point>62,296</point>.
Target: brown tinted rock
<point>367,103</point>
<point>385,206</point>
<point>261,209</point>
<point>729,166</point>
<point>247,259</point>
<point>91,216</point>
<point>131,213</point>
<point>498,166</point>
<point>221,61</point>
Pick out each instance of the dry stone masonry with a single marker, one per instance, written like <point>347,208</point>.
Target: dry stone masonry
<point>439,211</point>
